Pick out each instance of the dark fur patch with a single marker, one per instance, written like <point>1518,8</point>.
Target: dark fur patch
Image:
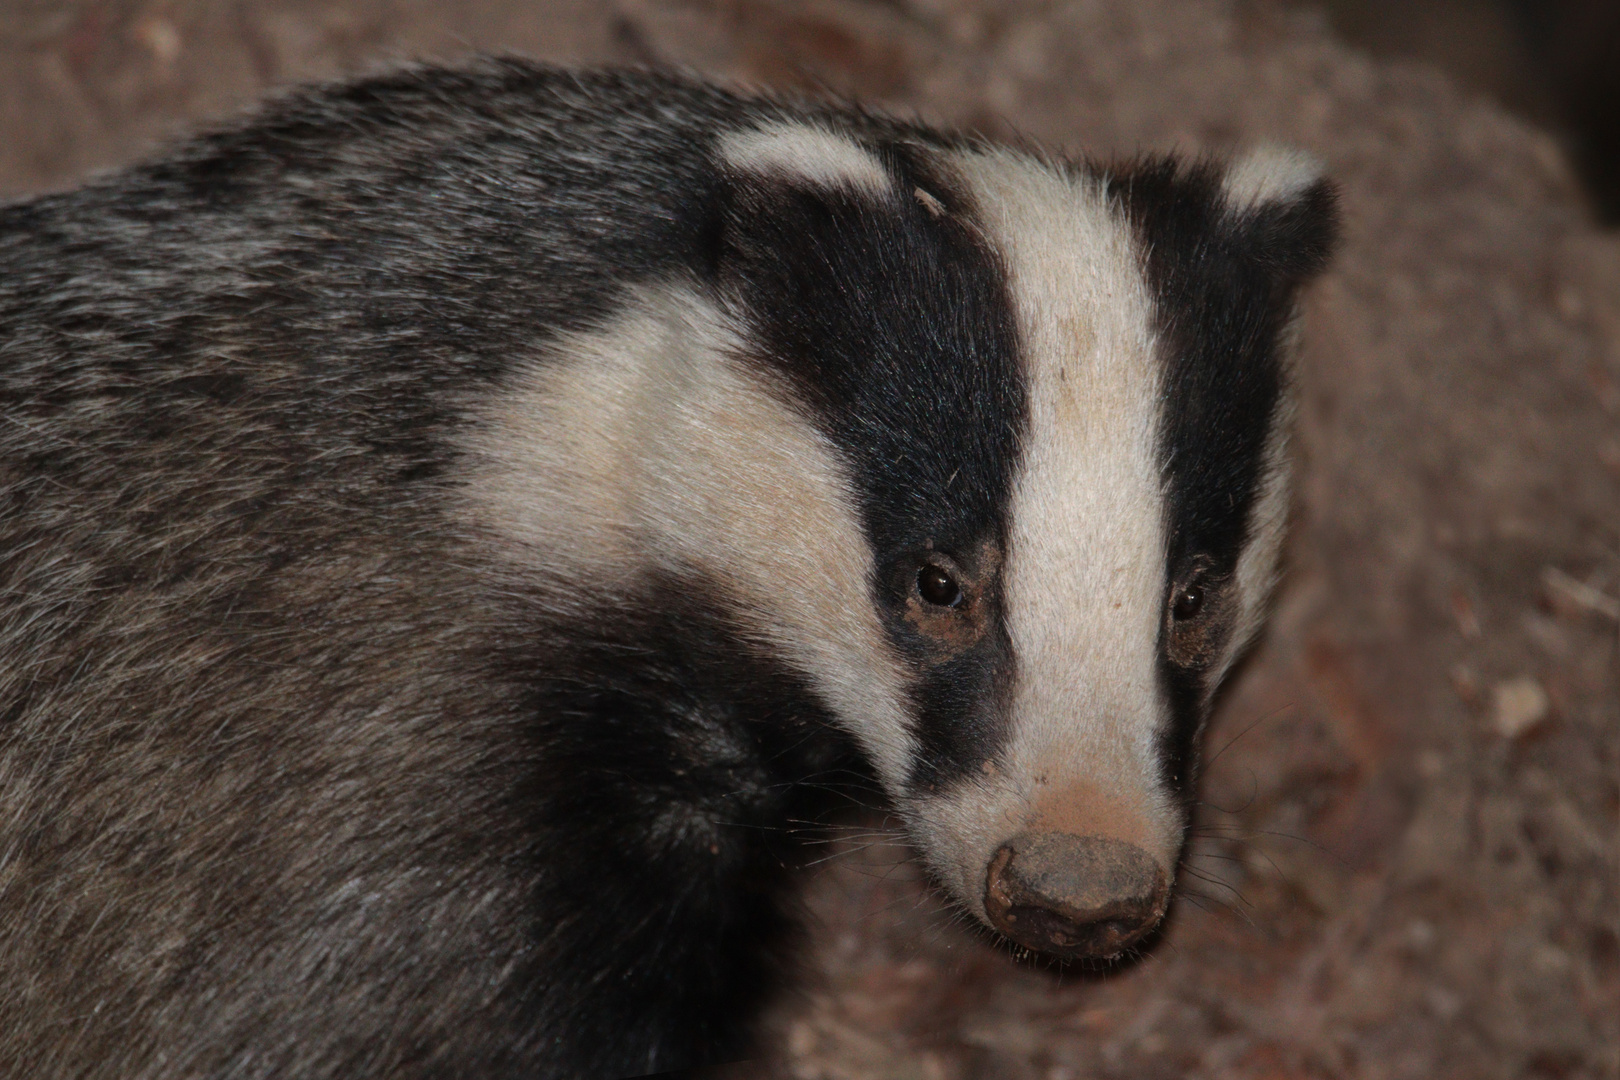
<point>663,800</point>
<point>891,318</point>
<point>1224,288</point>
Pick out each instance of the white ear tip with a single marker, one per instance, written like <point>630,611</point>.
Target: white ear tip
<point>1268,175</point>
<point>806,154</point>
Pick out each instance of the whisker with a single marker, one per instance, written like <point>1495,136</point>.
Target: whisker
<point>1248,833</point>
<point>1254,782</point>
<point>1213,855</point>
<point>1223,905</point>
<point>1213,880</point>
<point>1272,715</point>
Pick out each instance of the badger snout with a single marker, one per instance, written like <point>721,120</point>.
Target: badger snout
<point>1074,897</point>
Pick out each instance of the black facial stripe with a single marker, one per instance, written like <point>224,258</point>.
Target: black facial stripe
<point>1223,288</point>
<point>963,705</point>
<point>892,321</point>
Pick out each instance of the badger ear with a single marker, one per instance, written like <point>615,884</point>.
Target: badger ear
<point>805,157</point>
<point>778,187</point>
<point>1285,213</point>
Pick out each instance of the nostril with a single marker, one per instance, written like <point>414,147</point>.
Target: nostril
<point>1074,896</point>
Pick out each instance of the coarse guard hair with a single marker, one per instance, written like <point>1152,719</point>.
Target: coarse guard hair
<point>453,524</point>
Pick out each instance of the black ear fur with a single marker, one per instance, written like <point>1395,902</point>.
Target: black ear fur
<point>1292,238</point>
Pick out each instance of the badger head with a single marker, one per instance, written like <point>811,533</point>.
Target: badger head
<point>990,449</point>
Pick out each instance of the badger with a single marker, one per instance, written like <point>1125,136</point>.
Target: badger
<point>454,524</point>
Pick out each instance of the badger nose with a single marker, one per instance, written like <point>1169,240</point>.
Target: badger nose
<point>1074,896</point>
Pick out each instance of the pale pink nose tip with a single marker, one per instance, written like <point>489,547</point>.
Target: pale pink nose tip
<point>1074,897</point>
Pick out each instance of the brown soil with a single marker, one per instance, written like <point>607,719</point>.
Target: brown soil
<point>1406,859</point>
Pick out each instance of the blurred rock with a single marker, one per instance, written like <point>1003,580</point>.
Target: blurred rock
<point>1518,706</point>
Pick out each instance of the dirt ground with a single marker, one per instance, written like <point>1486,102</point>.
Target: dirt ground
<point>1405,863</point>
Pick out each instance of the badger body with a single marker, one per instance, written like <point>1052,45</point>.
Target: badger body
<point>454,524</point>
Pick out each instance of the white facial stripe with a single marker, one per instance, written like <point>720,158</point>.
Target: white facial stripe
<point>1084,580</point>
<point>1269,174</point>
<point>811,155</point>
<point>649,443</point>
<point>1268,520</point>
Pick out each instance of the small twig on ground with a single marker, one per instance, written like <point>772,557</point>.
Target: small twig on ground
<point>1580,593</point>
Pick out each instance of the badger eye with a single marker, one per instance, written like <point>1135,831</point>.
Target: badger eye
<point>938,587</point>
<point>1188,602</point>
